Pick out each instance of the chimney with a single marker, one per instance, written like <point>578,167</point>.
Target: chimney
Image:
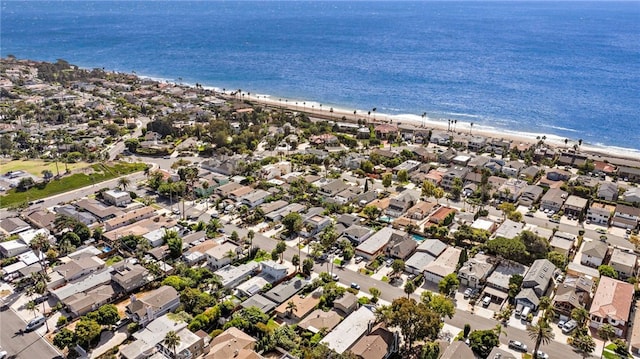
<point>133,298</point>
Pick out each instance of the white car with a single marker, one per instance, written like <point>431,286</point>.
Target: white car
<point>542,355</point>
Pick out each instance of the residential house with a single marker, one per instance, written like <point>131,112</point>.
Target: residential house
<point>513,168</point>
<point>563,242</point>
<point>499,278</point>
<point>273,271</point>
<point>527,297</point>
<point>283,291</point>
<point>458,350</point>
<point>277,215</point>
<point>624,262</point>
<point>626,217</point>
<point>77,268</point>
<point>630,174</point>
<point>149,342</point>
<point>575,206</point>
<point>303,306</point>
<point>40,218</point>
<point>594,253</point>
<point>399,204</point>
<point>220,256</point>
<point>255,198</point>
<point>319,319</point>
<point>377,242</point>
<point>440,138</point>
<point>13,225</point>
<point>13,248</point>
<point>82,303</point>
<point>231,276</point>
<point>600,213</point>
<point>573,293</point>
<point>418,262</point>
<point>475,271</point>
<point>440,215</point>
<point>553,199</point>
<point>632,195</point>
<point>476,143</point>
<point>445,264</point>
<point>450,176</point>
<point>530,195</point>
<point>332,188</point>
<point>539,276</point>
<point>509,229</point>
<point>379,343</point>
<point>612,305</point>
<point>385,131</point>
<point>555,174</point>
<point>71,211</point>
<point>512,189</point>
<point>346,304</point>
<point>357,234</point>
<point>314,224</point>
<point>99,210</point>
<point>401,247</point>
<point>408,165</point>
<point>117,197</point>
<point>275,170</point>
<point>260,302</point>
<point>153,305</point>
<point>421,210</point>
<point>350,330</point>
<point>129,218</point>
<point>129,275</point>
<point>529,173</point>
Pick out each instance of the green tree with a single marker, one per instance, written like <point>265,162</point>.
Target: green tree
<point>281,247</point>
<point>398,266</point>
<point>375,294</point>
<point>409,287</point>
<point>65,338</point>
<point>123,183</point>
<point>372,212</point>
<point>449,284</point>
<point>515,282</point>
<point>557,258</point>
<point>291,308</point>
<point>174,242</point>
<point>607,333</point>
<point>171,341</point>
<point>307,266</point>
<point>430,350</point>
<point>585,344</point>
<point>541,333</point>
<point>483,341</point>
<point>87,330</point>
<point>580,315</point>
<point>107,315</point>
<point>608,271</point>
<point>439,303</point>
<point>428,188</point>
<point>403,176</point>
<point>293,223</point>
<point>295,260</point>
<point>387,178</point>
<point>415,320</point>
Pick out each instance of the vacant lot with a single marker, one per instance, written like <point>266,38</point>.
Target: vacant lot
<point>35,167</point>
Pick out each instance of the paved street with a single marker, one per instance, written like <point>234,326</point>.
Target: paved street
<point>27,345</point>
<point>389,292</point>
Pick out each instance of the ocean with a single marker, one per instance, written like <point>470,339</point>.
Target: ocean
<point>567,69</point>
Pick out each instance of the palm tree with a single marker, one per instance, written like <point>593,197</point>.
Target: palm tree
<point>470,127</point>
<point>580,315</point>
<point>291,307</point>
<point>172,340</point>
<point>607,333</point>
<point>32,307</point>
<point>424,114</point>
<point>499,331</point>
<point>123,183</point>
<point>541,333</point>
<point>251,234</point>
<point>409,288</point>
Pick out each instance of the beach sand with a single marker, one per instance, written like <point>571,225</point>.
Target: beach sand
<point>461,127</point>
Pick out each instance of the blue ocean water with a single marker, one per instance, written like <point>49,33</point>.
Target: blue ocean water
<point>570,69</point>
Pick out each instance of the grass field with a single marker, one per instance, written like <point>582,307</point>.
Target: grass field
<point>35,167</point>
<point>101,173</point>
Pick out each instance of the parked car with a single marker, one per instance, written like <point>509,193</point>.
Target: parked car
<point>561,323</point>
<point>359,259</point>
<point>519,346</point>
<point>467,293</point>
<point>41,299</point>
<point>355,286</point>
<point>335,277</point>
<point>569,326</point>
<point>35,323</point>
<point>542,355</point>
<point>3,353</point>
<point>486,301</point>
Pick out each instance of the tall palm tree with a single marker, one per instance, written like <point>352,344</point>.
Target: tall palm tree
<point>499,331</point>
<point>123,183</point>
<point>172,340</point>
<point>251,234</point>
<point>291,308</point>
<point>607,333</point>
<point>580,315</point>
<point>470,127</point>
<point>541,333</point>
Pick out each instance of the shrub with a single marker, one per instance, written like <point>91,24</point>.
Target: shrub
<point>62,320</point>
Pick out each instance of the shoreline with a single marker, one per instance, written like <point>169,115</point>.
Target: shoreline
<point>462,127</point>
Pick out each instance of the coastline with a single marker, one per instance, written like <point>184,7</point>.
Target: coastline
<point>462,127</point>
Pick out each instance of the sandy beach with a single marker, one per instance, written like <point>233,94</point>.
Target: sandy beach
<point>461,127</point>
